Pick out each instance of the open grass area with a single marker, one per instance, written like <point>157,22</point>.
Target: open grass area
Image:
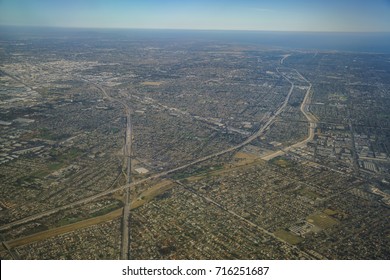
<point>68,155</point>
<point>281,162</point>
<point>47,134</point>
<point>322,220</point>
<point>245,158</point>
<point>100,212</point>
<point>64,229</point>
<point>288,236</point>
<point>108,209</point>
<point>68,221</point>
<point>151,193</point>
<point>55,166</point>
<point>330,212</point>
<point>40,174</point>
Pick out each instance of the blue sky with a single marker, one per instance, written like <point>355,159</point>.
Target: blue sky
<point>273,15</point>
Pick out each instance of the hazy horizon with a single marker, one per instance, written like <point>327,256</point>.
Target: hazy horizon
<point>189,29</point>
<point>246,15</point>
<point>363,42</point>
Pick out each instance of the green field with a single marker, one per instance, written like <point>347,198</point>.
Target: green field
<point>322,220</point>
<point>288,236</point>
<point>281,162</point>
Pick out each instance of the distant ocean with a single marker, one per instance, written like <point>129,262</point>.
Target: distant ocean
<point>322,41</point>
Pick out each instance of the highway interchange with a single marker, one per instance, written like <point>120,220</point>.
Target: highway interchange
<point>312,120</point>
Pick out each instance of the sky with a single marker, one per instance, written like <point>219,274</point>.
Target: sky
<point>265,15</point>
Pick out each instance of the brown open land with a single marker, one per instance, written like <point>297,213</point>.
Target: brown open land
<point>147,195</point>
<point>322,220</point>
<point>64,229</point>
<point>288,236</point>
<point>151,83</point>
<point>144,197</point>
<point>281,162</point>
<point>244,158</point>
<point>151,193</point>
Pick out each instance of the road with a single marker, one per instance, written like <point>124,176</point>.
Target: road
<point>36,237</point>
<point>126,209</point>
<point>263,230</point>
<point>283,58</point>
<point>257,134</point>
<point>125,227</point>
<point>312,119</point>
<point>127,150</point>
<point>16,79</point>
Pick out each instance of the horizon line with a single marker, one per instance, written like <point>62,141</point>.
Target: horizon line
<point>190,29</point>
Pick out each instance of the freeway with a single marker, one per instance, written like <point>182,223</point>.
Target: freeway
<point>127,150</point>
<point>126,209</point>
<point>312,119</point>
<point>36,237</point>
<point>15,78</point>
<point>125,227</point>
<point>251,138</point>
<point>283,58</point>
